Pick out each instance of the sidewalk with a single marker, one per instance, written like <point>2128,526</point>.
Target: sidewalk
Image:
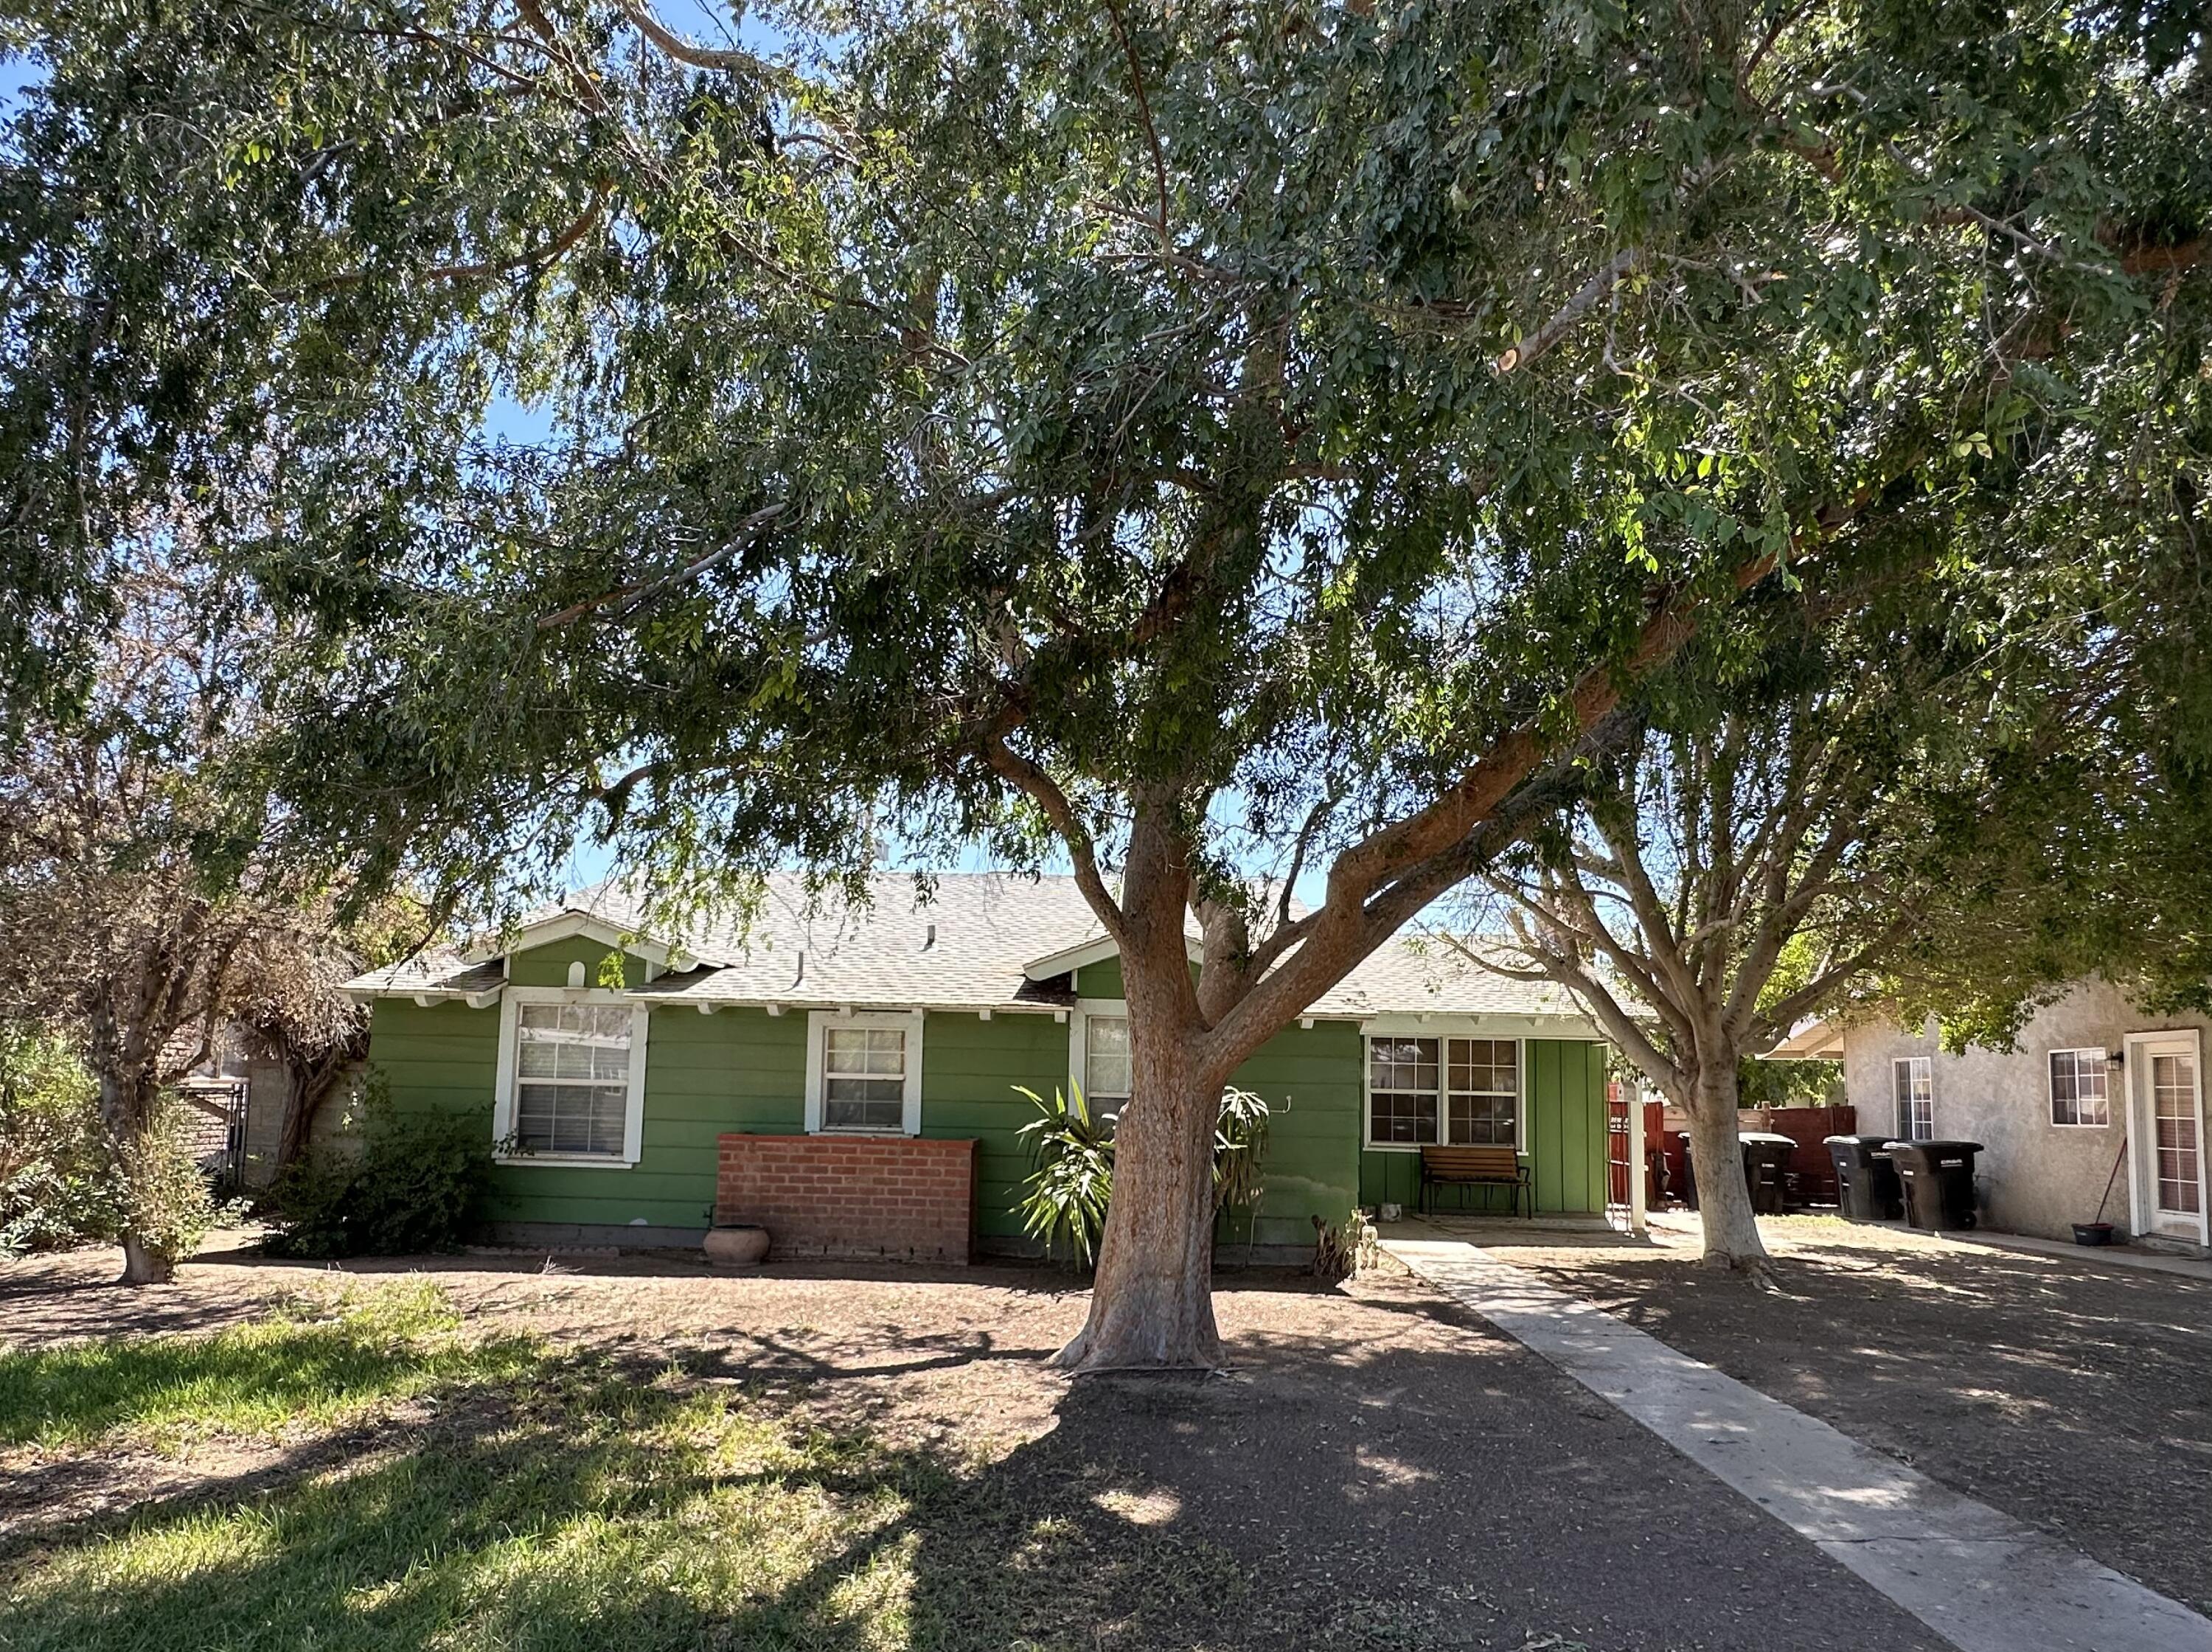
<point>2151,1261</point>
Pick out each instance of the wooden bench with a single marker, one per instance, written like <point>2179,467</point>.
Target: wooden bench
<point>1476,1167</point>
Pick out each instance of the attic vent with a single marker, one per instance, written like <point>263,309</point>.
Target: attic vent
<point>929,937</point>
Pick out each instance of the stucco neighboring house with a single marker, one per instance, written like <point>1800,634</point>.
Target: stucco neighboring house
<point>848,1079</point>
<point>2093,1083</point>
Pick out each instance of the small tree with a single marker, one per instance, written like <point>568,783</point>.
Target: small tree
<point>316,1032</point>
<point>1732,871</point>
<point>149,900</point>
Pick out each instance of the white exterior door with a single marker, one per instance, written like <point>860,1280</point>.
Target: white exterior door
<point>2165,1133</point>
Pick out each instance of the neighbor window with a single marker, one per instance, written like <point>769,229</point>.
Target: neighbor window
<point>864,1078</point>
<point>571,1077</point>
<point>1915,1078</point>
<point>1468,1089</point>
<point>2078,1095</point>
<point>1106,1082</point>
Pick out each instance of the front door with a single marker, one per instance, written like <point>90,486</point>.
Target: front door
<point>2167,1105</point>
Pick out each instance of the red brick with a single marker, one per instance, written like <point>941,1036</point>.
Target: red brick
<point>853,1197</point>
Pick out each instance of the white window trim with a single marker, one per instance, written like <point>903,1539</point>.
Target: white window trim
<point>1399,1027</point>
<point>1079,1037</point>
<point>907,1021</point>
<point>1895,1112</point>
<point>2051,1088</point>
<point>502,1105</point>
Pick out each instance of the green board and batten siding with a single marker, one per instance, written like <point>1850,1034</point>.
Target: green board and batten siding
<point>745,1070</point>
<point>1565,1149</point>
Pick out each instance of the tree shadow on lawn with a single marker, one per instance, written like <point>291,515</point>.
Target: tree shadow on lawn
<point>1405,1485</point>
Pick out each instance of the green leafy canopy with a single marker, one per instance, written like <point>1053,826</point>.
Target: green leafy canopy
<point>999,423</point>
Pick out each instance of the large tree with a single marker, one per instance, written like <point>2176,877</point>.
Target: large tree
<point>1207,445</point>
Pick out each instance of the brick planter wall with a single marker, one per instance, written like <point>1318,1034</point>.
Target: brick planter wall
<point>904,1197</point>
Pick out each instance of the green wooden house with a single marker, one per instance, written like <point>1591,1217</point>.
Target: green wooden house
<point>847,1077</point>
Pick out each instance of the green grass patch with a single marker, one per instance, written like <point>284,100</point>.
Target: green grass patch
<point>590,1507</point>
<point>312,1367</point>
<point>560,1501</point>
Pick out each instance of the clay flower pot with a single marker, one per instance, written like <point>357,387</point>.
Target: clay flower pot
<point>737,1247</point>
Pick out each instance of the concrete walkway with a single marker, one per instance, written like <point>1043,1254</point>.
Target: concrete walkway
<point>1981,1580</point>
<point>2149,1261</point>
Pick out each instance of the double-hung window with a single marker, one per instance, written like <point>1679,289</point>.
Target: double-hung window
<point>864,1072</point>
<point>2078,1093</point>
<point>571,1077</point>
<point>1913,1078</point>
<point>1483,1080</point>
<point>1435,1091</point>
<point>1107,1083</point>
<point>864,1078</point>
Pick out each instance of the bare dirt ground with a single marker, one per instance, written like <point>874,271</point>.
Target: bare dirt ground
<point>2074,1395</point>
<point>1384,1469</point>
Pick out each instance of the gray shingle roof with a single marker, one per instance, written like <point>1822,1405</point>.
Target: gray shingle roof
<point>1411,976</point>
<point>966,949</point>
<point>439,969</point>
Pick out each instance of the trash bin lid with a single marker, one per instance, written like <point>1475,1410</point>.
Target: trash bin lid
<point>1767,1137</point>
<point>1935,1146</point>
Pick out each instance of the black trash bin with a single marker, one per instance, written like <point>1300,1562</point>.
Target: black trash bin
<point>1767,1169</point>
<point>1938,1177</point>
<point>1765,1165</point>
<point>1867,1187</point>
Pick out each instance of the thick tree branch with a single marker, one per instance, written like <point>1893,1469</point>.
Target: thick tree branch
<point>675,46</point>
<point>1554,327</point>
<point>1047,794</point>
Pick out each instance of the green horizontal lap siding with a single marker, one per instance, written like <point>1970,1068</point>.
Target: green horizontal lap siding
<point>1309,1078</point>
<point>1565,1149</point>
<point>1100,979</point>
<point>970,1068</point>
<point>548,966</point>
<point>443,1058</point>
<point>735,1070</point>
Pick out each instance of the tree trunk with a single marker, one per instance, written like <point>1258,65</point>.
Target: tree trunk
<point>303,1099</point>
<point>1151,1301</point>
<point>1732,1239</point>
<point>143,1265</point>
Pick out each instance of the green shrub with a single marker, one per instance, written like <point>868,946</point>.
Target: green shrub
<point>415,1182</point>
<point>1066,1197</point>
<point>59,1185</point>
<point>168,1201</point>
